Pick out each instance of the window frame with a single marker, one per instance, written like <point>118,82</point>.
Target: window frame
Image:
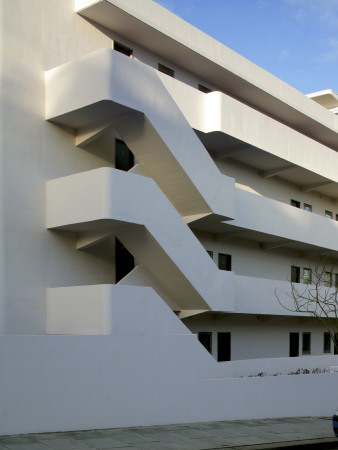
<point>121,48</point>
<point>295,203</point>
<point>166,70</point>
<point>297,277</point>
<point>205,333</point>
<point>326,340</point>
<point>309,281</point>
<point>307,350</point>
<point>204,89</point>
<point>228,262</point>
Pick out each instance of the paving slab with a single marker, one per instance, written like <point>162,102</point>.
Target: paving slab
<point>291,432</point>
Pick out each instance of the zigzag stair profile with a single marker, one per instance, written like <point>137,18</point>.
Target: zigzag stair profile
<point>132,207</point>
<point>106,89</point>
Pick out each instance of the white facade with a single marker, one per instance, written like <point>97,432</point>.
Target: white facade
<point>106,283</point>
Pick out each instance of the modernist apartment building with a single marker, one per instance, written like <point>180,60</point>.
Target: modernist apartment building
<point>157,189</point>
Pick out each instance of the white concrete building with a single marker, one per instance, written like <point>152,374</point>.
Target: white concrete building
<point>132,145</point>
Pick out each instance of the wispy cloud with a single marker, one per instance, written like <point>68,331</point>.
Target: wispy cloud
<point>284,54</point>
<point>331,55</point>
<point>325,10</point>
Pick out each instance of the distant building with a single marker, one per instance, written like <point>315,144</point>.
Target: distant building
<point>156,189</point>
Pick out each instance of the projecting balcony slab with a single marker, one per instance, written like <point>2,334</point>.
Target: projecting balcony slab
<point>147,224</point>
<point>107,87</point>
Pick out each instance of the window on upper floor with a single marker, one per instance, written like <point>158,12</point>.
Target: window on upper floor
<point>328,214</point>
<point>204,89</point>
<point>307,275</point>
<point>295,203</point>
<point>328,279</point>
<point>336,216</point>
<point>295,274</point>
<point>124,158</point>
<point>205,338</point>
<point>306,343</point>
<point>336,280</point>
<point>224,261</point>
<point>166,70</point>
<point>307,207</point>
<point>123,49</point>
<point>211,254</point>
<point>327,343</point>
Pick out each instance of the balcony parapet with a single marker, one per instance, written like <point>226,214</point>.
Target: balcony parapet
<point>105,89</point>
<point>134,209</point>
<point>258,213</point>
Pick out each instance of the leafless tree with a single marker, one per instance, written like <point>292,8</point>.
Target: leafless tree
<point>317,296</point>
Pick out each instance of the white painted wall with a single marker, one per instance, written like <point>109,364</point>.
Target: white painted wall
<point>259,336</point>
<point>248,179</point>
<point>82,382</point>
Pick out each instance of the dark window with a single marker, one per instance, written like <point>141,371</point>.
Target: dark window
<point>336,280</point>
<point>204,89</point>
<point>336,216</point>
<point>294,344</point>
<point>328,279</point>
<point>328,214</point>
<point>124,159</point>
<point>205,339</point>
<point>123,49</point>
<point>336,344</point>
<point>224,261</point>
<point>327,343</point>
<point>124,261</point>
<point>211,254</point>
<point>295,274</point>
<point>223,346</point>
<point>307,207</point>
<point>307,275</point>
<point>295,203</point>
<point>166,70</point>
<point>306,343</point>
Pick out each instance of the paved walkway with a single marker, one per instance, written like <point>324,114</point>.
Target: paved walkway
<point>304,432</point>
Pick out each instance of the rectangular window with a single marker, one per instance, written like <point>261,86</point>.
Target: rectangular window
<point>336,280</point>
<point>295,203</point>
<point>166,70</point>
<point>307,275</point>
<point>123,49</point>
<point>295,274</point>
<point>327,343</point>
<point>328,279</point>
<point>306,343</point>
<point>328,214</point>
<point>224,261</point>
<point>211,254</point>
<point>336,344</point>
<point>205,339</point>
<point>336,216</point>
<point>223,347</point>
<point>294,345</point>
<point>307,207</point>
<point>204,89</point>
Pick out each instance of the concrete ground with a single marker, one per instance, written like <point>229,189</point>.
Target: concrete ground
<point>301,432</point>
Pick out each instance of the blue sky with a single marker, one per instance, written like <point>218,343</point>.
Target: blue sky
<point>296,40</point>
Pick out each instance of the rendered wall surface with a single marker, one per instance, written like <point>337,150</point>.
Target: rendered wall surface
<point>80,350</point>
